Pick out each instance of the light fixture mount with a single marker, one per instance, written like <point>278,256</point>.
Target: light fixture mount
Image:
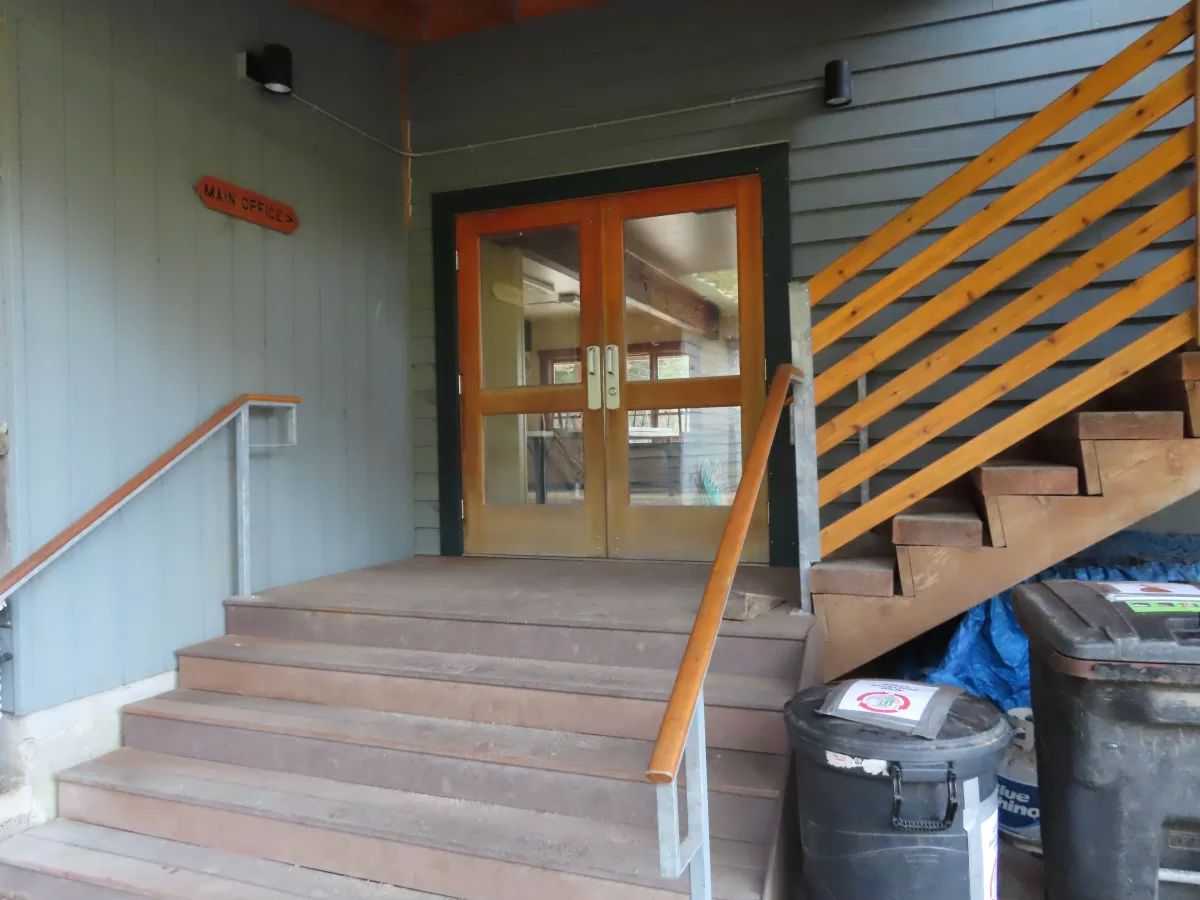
<point>272,68</point>
<point>839,84</point>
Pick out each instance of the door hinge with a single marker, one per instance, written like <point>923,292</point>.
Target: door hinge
<point>462,510</point>
<point>460,385</point>
<point>455,260</point>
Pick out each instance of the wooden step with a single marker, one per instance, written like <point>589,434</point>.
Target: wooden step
<point>873,577</point>
<point>742,711</point>
<point>938,523</point>
<point>771,646</point>
<point>1139,477</point>
<point>67,860</point>
<point>547,771</point>
<point>1162,425</point>
<point>468,850</point>
<point>1007,479</point>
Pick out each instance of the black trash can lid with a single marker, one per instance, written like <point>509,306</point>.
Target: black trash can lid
<point>974,729</point>
<point>1079,619</point>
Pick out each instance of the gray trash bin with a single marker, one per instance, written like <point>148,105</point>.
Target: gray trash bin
<point>886,815</point>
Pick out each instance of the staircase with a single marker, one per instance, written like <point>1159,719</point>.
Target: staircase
<point>1107,432</point>
<point>503,760</point>
<point>1079,480</point>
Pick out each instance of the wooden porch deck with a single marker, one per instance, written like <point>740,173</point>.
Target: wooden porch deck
<point>608,594</point>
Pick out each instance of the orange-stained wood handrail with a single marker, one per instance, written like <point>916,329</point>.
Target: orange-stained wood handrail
<point>1160,41</point>
<point>668,750</point>
<point>73,532</point>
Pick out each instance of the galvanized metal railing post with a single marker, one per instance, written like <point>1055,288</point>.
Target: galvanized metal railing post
<point>804,436</point>
<point>693,854</point>
<point>242,475</point>
<point>696,765</point>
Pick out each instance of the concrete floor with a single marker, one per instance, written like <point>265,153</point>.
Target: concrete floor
<point>1020,874</point>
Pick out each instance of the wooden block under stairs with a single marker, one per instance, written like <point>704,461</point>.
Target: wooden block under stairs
<point>67,860</point>
<point>997,479</point>
<point>463,849</point>
<point>873,577</point>
<point>1161,425</point>
<point>939,522</point>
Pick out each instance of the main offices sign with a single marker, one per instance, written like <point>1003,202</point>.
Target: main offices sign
<point>244,204</point>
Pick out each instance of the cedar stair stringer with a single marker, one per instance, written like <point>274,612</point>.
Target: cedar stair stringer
<point>1035,514</point>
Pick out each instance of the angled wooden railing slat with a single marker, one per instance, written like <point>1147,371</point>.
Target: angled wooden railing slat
<point>1153,46</point>
<point>1024,309</point>
<point>1131,121</point>
<point>1136,356</point>
<point>672,734</point>
<point>36,559</point>
<point>999,381</point>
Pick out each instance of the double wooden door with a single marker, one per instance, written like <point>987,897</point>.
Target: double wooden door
<point>612,372</point>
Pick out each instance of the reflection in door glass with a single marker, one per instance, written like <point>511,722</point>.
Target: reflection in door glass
<point>533,459</point>
<point>529,307</point>
<point>681,296</point>
<point>684,457</point>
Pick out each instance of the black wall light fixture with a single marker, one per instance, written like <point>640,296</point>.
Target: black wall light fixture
<point>272,68</point>
<point>839,90</point>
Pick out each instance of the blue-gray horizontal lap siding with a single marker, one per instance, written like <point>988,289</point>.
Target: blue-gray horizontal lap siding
<point>133,313</point>
<point>936,83</point>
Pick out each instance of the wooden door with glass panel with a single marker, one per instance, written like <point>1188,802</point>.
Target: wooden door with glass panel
<point>682,281</point>
<point>530,328</point>
<point>611,353</point>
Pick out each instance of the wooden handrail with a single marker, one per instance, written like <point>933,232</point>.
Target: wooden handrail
<point>1037,301</point>
<point>1160,41</point>
<point>1146,350</point>
<point>1067,166</point>
<point>672,735</point>
<point>1047,237</point>
<point>28,566</point>
<point>1051,349</point>
<point>941,354</point>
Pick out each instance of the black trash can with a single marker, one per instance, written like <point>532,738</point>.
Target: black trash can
<point>1116,699</point>
<point>892,816</point>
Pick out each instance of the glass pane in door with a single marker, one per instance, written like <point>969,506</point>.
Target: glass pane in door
<point>529,298</point>
<point>681,296</point>
<point>684,457</point>
<point>533,459</point>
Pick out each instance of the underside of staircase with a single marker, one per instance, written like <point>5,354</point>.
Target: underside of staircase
<point>1085,477</point>
<point>474,729</point>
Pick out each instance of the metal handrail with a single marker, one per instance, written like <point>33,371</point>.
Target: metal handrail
<point>682,732</point>
<point>239,409</point>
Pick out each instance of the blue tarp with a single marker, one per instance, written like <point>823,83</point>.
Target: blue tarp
<point>989,653</point>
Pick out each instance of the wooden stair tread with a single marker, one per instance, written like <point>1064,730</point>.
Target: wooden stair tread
<point>562,843</point>
<point>1012,478</point>
<point>553,592</point>
<point>730,771</point>
<point>1157,425</point>
<point>739,691</point>
<point>873,576</point>
<point>938,522</point>
<point>1140,478</point>
<point>138,865</point>
<point>1188,365</point>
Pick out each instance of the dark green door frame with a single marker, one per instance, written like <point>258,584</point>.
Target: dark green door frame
<point>770,163</point>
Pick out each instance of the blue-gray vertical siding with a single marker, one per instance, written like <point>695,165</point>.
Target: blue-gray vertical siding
<point>937,82</point>
<point>132,313</point>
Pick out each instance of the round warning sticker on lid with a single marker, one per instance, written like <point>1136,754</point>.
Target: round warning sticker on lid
<point>897,700</point>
